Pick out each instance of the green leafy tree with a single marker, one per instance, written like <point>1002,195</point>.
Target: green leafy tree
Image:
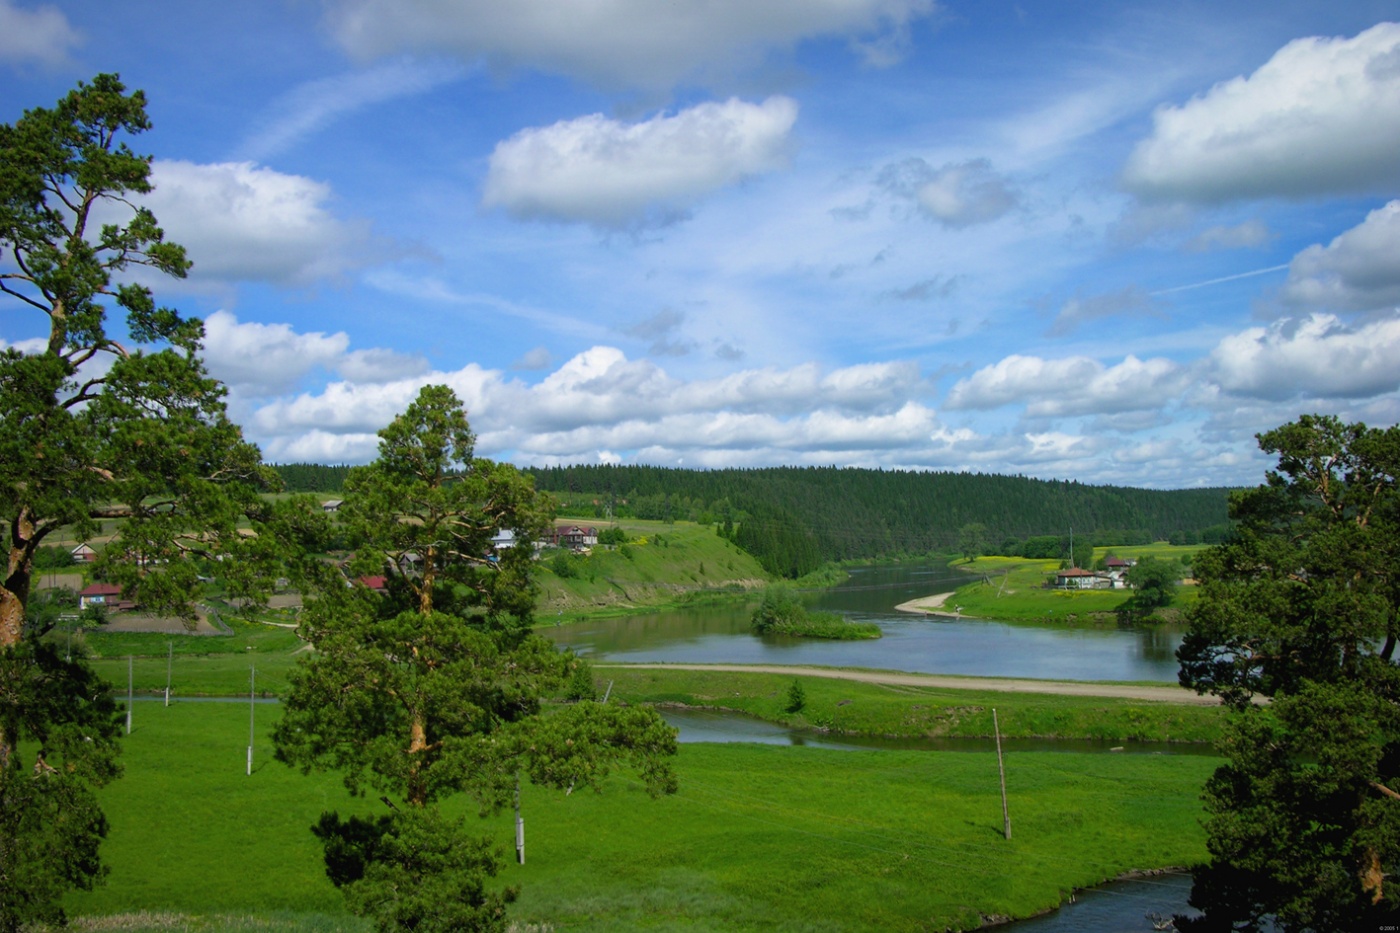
<point>435,688</point>
<point>1154,583</point>
<point>109,420</point>
<point>1302,604</point>
<point>974,540</point>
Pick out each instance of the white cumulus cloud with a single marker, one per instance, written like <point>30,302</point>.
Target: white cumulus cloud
<point>1357,271</point>
<point>1314,357</point>
<point>1070,387</point>
<point>240,221</point>
<point>41,35</point>
<point>599,400</point>
<point>1322,116</point>
<point>613,174</point>
<point>265,359</point>
<point>620,43</point>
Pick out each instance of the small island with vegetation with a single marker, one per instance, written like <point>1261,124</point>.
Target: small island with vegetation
<point>782,613</point>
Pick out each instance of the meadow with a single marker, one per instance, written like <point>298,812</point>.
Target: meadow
<point>758,837</point>
<point>1011,589</point>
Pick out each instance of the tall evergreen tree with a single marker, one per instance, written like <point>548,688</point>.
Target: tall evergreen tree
<point>434,688</point>
<point>1302,605</point>
<point>101,422</point>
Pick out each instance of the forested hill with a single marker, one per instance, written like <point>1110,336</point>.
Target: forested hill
<point>853,513</point>
<point>794,518</point>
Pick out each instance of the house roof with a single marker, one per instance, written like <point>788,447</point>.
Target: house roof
<point>1075,572</point>
<point>375,582</point>
<point>100,589</point>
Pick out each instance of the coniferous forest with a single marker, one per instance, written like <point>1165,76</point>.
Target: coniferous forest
<point>793,519</point>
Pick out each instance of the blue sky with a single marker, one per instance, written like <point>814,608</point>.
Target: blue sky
<point>1100,241</point>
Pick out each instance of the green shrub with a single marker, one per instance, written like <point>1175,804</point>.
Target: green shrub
<point>781,613</point>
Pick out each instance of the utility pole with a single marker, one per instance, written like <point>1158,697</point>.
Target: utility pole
<point>519,824</point>
<point>252,705</point>
<point>1005,813</point>
<point>128,694</point>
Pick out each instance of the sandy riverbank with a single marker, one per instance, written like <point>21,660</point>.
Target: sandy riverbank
<point>924,603</point>
<point>1163,693</point>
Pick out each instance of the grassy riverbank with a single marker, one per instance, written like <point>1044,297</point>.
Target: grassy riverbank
<point>660,564</point>
<point>757,838</point>
<point>1011,589</point>
<point>902,711</point>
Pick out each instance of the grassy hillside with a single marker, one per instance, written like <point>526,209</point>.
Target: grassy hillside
<point>660,563</point>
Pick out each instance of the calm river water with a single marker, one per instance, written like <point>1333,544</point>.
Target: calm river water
<point>921,644</point>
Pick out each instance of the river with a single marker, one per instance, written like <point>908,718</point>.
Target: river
<point>719,634</point>
<point>921,644</point>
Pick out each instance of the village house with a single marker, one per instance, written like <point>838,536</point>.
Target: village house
<point>107,595</point>
<point>83,554</point>
<point>1075,578</point>
<point>575,537</point>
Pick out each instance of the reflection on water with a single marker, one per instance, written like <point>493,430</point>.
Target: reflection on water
<point>704,725</point>
<point>922,644</point>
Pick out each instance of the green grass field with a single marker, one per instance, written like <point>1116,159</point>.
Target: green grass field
<point>759,837</point>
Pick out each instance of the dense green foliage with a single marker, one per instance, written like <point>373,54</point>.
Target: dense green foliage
<point>433,689</point>
<point>1303,605</point>
<point>110,420</point>
<point>782,612</point>
<point>1154,585</point>
<point>793,519</point>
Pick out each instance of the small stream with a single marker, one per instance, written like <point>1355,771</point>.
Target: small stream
<point>707,725</point>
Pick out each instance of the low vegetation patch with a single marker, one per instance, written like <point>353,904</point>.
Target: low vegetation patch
<point>782,613</point>
<point>854,708</point>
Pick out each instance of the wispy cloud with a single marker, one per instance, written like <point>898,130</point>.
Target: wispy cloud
<point>313,106</point>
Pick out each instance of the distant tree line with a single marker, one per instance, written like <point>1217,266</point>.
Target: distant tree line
<point>793,519</point>
<point>312,477</point>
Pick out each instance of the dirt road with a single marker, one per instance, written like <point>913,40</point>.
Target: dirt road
<point>1162,694</point>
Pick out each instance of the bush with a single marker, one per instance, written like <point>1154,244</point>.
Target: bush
<point>781,613</point>
<point>797,697</point>
<point>613,536</point>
